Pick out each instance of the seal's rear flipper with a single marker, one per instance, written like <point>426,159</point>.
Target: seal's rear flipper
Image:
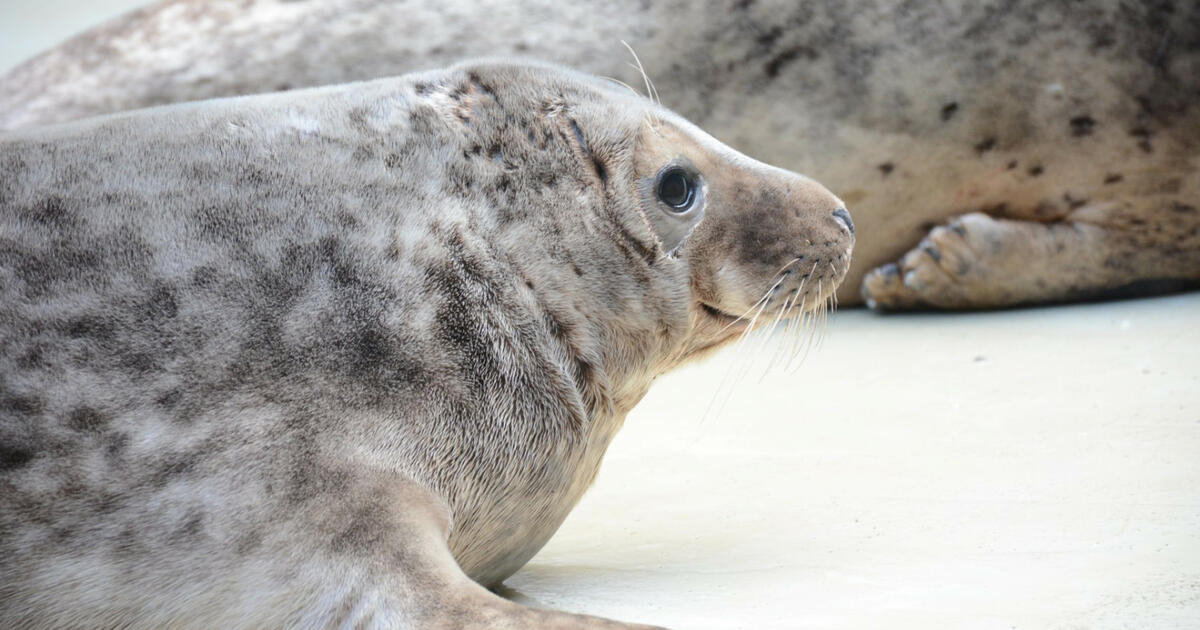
<point>1117,249</point>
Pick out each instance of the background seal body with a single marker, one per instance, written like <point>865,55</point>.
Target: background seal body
<point>339,356</point>
<point>994,153</point>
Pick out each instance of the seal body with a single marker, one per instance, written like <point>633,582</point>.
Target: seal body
<point>1054,144</point>
<point>339,356</point>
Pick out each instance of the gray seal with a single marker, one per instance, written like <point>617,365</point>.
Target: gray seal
<point>345,356</point>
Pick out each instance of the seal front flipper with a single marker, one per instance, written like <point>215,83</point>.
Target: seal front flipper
<point>1147,246</point>
<point>379,558</point>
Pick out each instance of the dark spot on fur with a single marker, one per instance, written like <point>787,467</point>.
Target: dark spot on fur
<point>886,168</point>
<point>1113,178</point>
<point>1103,35</point>
<point>1036,170</point>
<point>308,479</point>
<point>985,145</point>
<point>53,211</point>
<point>138,362</point>
<point>1143,135</point>
<point>92,327</point>
<point>128,543</point>
<point>203,276</point>
<point>1082,125</point>
<point>192,525</point>
<point>1012,165</point>
<point>362,153</point>
<point>33,358</point>
<point>787,56</point>
<point>107,502</point>
<point>365,528</point>
<point>948,111</point>
<point>247,542</point>
<point>173,467</point>
<point>254,175</point>
<point>169,399</point>
<point>767,38</point>
<point>22,405</point>
<point>358,120</point>
<point>392,160</point>
<point>333,254</point>
<point>161,304</point>
<point>371,349</point>
<point>13,456</point>
<point>482,86</point>
<point>1182,208</point>
<point>422,89</point>
<point>1072,202</point>
<point>114,444</point>
<point>758,239</point>
<point>1046,209</point>
<point>86,419</point>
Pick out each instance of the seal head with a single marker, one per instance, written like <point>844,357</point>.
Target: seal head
<point>638,240</point>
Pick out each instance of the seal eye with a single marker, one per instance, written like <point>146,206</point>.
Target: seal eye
<point>676,188</point>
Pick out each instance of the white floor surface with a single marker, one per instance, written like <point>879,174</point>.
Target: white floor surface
<point>1035,468</point>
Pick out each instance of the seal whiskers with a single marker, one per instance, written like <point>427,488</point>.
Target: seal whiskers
<point>651,92</point>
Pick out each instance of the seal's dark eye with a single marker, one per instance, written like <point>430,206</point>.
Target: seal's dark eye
<point>676,188</point>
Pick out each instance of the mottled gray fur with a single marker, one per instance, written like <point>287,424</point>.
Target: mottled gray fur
<point>331,357</point>
<point>1056,143</point>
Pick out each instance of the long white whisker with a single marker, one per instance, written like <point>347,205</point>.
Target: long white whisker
<point>800,325</point>
<point>739,318</point>
<point>725,387</point>
<point>651,93</point>
<point>782,349</point>
<point>767,337</point>
<point>623,84</point>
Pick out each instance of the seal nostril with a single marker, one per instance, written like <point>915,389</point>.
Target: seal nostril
<point>843,216</point>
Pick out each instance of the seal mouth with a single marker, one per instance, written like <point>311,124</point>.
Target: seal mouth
<point>718,314</point>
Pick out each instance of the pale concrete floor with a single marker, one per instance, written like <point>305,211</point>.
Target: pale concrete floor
<point>1026,469</point>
